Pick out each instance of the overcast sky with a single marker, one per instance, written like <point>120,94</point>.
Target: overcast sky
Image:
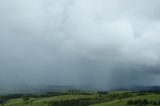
<point>100,43</point>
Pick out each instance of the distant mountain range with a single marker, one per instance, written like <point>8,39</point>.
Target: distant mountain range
<point>53,88</point>
<point>37,89</point>
<point>147,88</point>
<point>140,88</point>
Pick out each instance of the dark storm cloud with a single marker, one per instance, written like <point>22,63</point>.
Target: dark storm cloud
<point>100,43</point>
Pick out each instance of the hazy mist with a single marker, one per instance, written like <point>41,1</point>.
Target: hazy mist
<point>98,43</point>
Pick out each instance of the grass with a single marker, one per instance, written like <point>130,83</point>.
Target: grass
<point>45,100</point>
<point>123,102</point>
<point>113,98</point>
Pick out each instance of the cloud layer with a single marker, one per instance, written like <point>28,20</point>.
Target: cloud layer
<point>100,43</point>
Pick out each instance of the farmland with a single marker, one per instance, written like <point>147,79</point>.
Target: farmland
<point>83,98</point>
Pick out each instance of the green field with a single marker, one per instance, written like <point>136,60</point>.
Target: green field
<point>123,102</point>
<point>45,100</point>
<point>79,98</point>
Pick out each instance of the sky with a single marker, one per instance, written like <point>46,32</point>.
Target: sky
<point>97,43</point>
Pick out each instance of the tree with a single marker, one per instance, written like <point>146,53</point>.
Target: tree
<point>130,102</point>
<point>26,98</point>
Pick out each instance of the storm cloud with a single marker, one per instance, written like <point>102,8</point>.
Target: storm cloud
<point>98,43</point>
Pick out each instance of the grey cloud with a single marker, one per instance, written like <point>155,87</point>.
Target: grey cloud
<point>100,43</point>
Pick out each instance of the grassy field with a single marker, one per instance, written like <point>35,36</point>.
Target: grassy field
<point>123,102</point>
<point>45,100</point>
<point>113,98</point>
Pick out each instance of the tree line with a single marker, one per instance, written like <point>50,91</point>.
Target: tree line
<point>143,102</point>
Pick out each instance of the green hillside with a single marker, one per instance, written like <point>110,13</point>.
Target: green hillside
<point>81,98</point>
<point>153,99</point>
<point>45,100</point>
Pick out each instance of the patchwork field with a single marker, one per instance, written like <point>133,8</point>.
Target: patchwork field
<point>80,98</point>
<point>146,100</point>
